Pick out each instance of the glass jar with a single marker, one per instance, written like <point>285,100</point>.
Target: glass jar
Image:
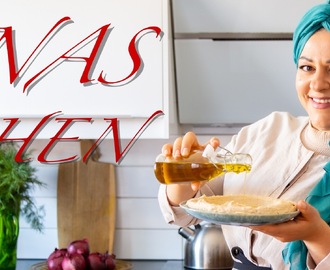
<point>200,166</point>
<point>9,230</point>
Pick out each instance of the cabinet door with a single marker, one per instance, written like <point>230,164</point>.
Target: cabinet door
<point>59,86</point>
<point>238,15</point>
<point>226,83</point>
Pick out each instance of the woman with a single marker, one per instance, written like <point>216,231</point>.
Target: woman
<point>289,155</point>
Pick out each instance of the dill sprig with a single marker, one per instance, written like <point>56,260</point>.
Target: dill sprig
<point>17,180</point>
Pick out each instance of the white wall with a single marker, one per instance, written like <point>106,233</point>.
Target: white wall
<point>138,217</point>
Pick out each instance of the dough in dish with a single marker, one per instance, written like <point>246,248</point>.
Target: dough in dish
<point>242,204</point>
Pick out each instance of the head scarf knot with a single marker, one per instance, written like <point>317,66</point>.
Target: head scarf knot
<point>316,18</point>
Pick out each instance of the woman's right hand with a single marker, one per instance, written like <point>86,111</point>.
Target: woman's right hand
<point>182,147</point>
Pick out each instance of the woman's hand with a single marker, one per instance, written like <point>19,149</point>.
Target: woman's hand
<point>307,226</point>
<point>182,147</point>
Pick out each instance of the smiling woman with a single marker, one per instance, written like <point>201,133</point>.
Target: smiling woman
<point>313,79</point>
<point>297,176</point>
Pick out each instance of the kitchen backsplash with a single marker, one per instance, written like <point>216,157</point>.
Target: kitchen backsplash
<point>141,231</point>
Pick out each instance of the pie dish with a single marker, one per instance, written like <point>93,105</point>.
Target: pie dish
<point>241,210</point>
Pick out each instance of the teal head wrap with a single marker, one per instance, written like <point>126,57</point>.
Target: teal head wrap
<point>316,18</point>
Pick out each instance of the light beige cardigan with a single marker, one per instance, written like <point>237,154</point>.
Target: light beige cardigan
<point>288,159</point>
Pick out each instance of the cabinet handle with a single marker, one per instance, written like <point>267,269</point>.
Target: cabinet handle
<point>236,36</point>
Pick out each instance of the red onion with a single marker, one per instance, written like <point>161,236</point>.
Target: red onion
<point>78,257</point>
<point>74,262</point>
<point>109,260</point>
<point>54,261</point>
<point>95,261</point>
<point>80,247</point>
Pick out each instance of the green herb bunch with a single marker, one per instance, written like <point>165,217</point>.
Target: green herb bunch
<point>17,180</point>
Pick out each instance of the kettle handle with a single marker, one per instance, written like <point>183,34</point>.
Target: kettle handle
<point>189,233</point>
<point>186,232</point>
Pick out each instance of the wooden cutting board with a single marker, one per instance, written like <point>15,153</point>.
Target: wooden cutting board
<point>86,202</point>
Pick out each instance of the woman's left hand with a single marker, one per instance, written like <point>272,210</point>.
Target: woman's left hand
<point>308,226</point>
<point>302,227</point>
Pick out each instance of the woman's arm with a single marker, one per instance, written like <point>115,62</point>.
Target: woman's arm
<point>317,239</point>
<point>308,226</point>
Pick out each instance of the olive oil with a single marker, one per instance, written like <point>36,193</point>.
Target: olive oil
<point>181,172</point>
<point>200,166</point>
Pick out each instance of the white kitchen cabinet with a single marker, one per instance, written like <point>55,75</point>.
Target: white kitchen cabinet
<point>233,83</point>
<point>234,62</point>
<point>212,16</point>
<point>58,88</point>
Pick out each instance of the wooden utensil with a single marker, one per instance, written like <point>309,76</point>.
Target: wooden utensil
<point>86,202</point>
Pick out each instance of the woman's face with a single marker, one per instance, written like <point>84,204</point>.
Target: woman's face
<point>313,79</point>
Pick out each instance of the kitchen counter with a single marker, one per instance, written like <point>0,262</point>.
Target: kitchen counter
<point>137,264</point>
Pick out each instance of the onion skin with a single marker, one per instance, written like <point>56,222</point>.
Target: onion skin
<point>54,261</point>
<point>95,261</point>
<point>109,260</point>
<point>80,247</point>
<point>74,262</point>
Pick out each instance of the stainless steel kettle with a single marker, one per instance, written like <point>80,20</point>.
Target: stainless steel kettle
<point>205,247</point>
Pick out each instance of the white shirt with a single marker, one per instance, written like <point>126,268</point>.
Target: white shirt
<point>288,158</point>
